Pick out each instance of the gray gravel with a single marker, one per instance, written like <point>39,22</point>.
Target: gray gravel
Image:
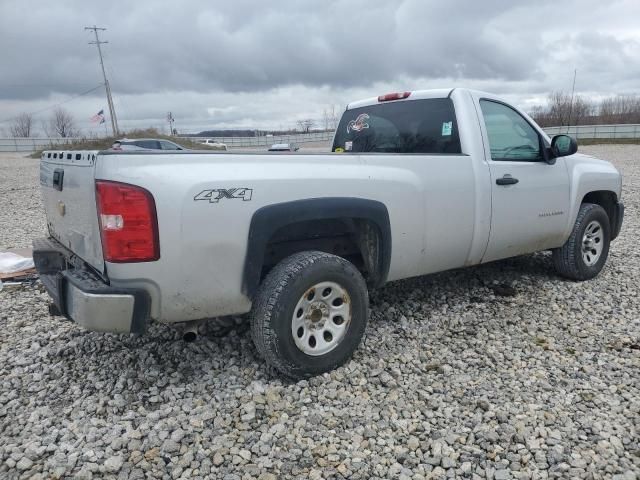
<point>458,377</point>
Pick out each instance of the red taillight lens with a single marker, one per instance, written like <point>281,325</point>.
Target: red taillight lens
<point>128,222</point>
<point>393,96</point>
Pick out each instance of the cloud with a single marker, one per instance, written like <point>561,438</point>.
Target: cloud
<point>232,63</point>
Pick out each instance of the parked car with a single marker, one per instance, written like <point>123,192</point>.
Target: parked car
<point>210,142</point>
<point>418,182</point>
<point>284,147</point>
<point>146,144</point>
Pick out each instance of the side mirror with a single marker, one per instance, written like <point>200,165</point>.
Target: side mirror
<point>563,145</point>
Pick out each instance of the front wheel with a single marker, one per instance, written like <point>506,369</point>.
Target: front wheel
<point>310,314</point>
<point>584,254</point>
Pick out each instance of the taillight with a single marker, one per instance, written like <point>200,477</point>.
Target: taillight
<point>393,96</point>
<point>128,222</point>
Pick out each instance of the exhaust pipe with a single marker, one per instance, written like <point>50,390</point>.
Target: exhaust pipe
<point>190,331</point>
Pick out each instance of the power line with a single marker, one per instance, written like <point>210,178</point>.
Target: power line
<point>112,110</point>
<point>55,105</point>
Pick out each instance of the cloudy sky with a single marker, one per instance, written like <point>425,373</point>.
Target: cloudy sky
<point>242,63</point>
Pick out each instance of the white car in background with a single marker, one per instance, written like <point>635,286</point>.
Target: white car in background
<point>284,147</point>
<point>210,142</point>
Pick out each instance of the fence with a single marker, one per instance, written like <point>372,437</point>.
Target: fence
<point>597,131</point>
<point>28,145</point>
<point>267,141</point>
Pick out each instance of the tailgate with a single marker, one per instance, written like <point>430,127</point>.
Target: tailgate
<point>68,193</point>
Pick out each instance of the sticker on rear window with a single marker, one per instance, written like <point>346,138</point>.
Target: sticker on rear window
<point>446,128</point>
<point>359,124</point>
<point>348,146</point>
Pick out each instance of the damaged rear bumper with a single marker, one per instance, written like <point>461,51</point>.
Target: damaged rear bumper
<point>82,296</point>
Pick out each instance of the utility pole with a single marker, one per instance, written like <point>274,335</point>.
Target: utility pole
<point>112,110</point>
<point>170,119</point>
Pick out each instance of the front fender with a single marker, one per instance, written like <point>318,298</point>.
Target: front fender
<point>588,174</point>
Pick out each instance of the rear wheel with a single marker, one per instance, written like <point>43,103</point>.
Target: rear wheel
<point>584,254</point>
<point>310,314</point>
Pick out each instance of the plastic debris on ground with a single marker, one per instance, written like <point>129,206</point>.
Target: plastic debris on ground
<point>16,268</point>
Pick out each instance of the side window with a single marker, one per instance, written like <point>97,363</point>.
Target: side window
<point>153,144</point>
<point>511,137</point>
<point>168,145</point>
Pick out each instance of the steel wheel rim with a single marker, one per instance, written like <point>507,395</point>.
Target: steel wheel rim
<point>321,318</point>
<point>592,242</point>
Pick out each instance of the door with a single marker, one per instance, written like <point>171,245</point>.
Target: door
<point>529,196</point>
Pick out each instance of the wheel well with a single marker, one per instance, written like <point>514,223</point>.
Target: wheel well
<point>355,239</point>
<point>355,228</point>
<point>607,200</point>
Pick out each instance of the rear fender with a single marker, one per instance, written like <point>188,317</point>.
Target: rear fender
<point>267,220</point>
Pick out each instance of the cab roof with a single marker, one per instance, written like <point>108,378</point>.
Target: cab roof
<point>414,95</point>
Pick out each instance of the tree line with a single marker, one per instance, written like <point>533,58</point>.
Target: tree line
<point>59,124</point>
<point>62,124</point>
<point>562,110</point>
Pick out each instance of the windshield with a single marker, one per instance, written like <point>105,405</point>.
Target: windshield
<point>415,126</point>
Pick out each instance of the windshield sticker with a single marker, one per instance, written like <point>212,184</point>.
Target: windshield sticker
<point>348,146</point>
<point>446,128</point>
<point>359,124</point>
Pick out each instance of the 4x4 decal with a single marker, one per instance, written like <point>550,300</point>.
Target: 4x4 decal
<point>214,195</point>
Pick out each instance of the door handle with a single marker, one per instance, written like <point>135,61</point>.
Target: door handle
<point>507,180</point>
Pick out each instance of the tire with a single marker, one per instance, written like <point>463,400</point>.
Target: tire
<point>336,321</point>
<point>571,260</point>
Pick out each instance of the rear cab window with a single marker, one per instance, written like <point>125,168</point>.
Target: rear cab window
<point>152,144</point>
<point>426,126</point>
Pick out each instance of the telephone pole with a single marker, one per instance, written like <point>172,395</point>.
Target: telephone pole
<point>171,120</point>
<point>112,110</point>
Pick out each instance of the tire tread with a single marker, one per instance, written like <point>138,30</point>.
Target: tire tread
<point>565,258</point>
<point>274,285</point>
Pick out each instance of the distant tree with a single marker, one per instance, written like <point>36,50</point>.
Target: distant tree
<point>330,118</point>
<point>539,114</point>
<point>562,110</point>
<point>581,111</point>
<point>559,106</point>
<point>22,126</point>
<point>62,124</point>
<point>333,118</point>
<point>306,125</point>
<point>620,109</point>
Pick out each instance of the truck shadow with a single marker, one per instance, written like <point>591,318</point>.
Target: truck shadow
<point>503,278</point>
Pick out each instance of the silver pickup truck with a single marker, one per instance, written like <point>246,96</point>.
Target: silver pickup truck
<point>417,182</point>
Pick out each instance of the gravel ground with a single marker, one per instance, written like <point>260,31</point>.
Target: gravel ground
<point>458,377</point>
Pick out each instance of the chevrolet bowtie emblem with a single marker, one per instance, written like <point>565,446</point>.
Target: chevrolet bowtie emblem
<point>62,209</point>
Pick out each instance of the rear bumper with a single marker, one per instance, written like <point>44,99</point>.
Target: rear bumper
<point>616,221</point>
<point>82,296</point>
